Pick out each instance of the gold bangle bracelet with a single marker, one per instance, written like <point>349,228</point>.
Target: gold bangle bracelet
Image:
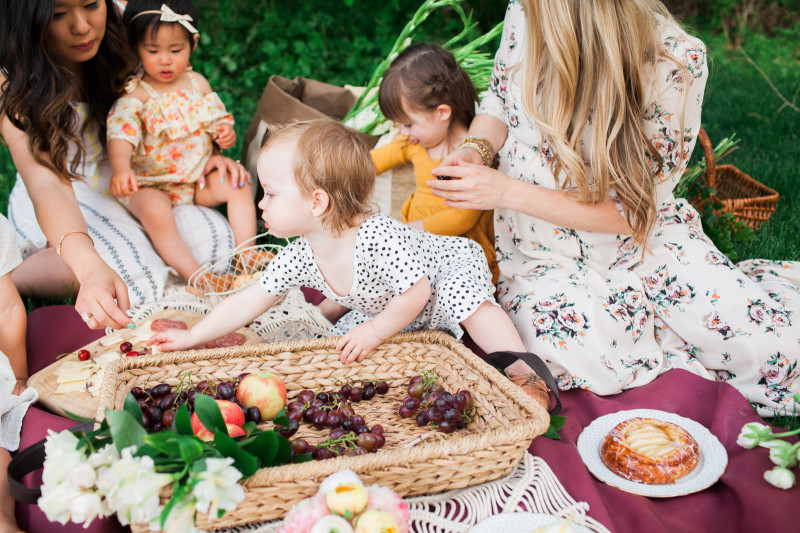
<point>67,234</point>
<point>486,156</point>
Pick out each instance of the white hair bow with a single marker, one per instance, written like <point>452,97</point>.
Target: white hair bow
<point>168,15</point>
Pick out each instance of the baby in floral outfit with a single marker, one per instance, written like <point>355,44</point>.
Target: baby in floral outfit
<point>161,133</point>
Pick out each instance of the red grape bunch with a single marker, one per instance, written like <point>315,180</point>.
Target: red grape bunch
<point>349,430</point>
<point>160,401</point>
<point>430,404</point>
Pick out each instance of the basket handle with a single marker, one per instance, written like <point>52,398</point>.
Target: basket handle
<point>504,359</point>
<point>711,163</point>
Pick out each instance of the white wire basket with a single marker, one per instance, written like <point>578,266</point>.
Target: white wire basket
<point>215,281</point>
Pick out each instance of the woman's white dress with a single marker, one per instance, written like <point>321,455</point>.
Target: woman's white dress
<point>118,237</point>
<point>607,316</point>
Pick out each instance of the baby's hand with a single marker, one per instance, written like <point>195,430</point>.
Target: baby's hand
<point>123,183</point>
<point>226,137</point>
<point>357,343</point>
<point>172,339</point>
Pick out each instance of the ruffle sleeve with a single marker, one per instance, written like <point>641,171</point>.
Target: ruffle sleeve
<point>214,114</point>
<point>124,120</point>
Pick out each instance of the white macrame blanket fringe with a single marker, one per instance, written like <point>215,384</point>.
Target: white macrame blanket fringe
<point>532,487</point>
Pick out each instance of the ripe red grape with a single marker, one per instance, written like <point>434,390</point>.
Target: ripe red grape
<point>381,387</point>
<point>356,394</point>
<point>405,412</point>
<point>368,393</point>
<point>377,429</point>
<point>367,441</point>
<point>446,426</point>
<point>422,418</point>
<point>300,446</point>
<point>305,396</point>
<point>416,389</point>
<point>411,402</point>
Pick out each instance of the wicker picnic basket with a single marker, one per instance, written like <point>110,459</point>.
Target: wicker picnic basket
<point>749,200</point>
<point>415,460</point>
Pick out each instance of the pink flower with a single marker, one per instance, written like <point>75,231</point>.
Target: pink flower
<point>302,517</point>
<point>387,500</point>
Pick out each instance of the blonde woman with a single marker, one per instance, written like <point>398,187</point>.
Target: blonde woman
<point>594,107</point>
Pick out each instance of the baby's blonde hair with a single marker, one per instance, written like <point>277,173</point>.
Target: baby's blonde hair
<point>589,63</point>
<point>332,158</point>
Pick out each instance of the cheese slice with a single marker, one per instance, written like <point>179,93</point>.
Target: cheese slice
<point>71,386</point>
<point>76,371</point>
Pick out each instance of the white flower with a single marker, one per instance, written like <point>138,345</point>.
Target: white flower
<point>783,478</point>
<point>55,501</point>
<point>105,456</point>
<point>61,455</point>
<point>752,434</point>
<point>86,507</point>
<point>131,487</point>
<point>82,476</point>
<point>781,454</point>
<point>332,524</point>
<point>218,487</point>
<point>342,477</point>
<point>180,519</point>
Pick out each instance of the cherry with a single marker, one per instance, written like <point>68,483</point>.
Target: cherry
<point>131,354</point>
<point>84,355</point>
<point>381,387</point>
<point>125,347</point>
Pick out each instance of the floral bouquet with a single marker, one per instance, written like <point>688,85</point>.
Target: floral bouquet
<point>344,505</point>
<point>784,454</point>
<point>122,469</point>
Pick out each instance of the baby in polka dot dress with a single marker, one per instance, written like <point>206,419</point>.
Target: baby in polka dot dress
<point>317,178</point>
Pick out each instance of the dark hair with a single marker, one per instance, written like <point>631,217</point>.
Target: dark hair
<point>335,159</point>
<point>427,76</point>
<point>38,92</point>
<point>149,24</point>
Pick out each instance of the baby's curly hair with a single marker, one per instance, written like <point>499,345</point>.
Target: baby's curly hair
<point>333,158</point>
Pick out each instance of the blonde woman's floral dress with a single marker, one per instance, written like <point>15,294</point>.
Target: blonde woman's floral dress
<point>172,135</point>
<point>606,316</point>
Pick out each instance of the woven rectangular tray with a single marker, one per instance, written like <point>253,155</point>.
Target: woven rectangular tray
<point>414,460</point>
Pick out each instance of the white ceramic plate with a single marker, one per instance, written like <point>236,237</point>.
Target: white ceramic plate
<point>712,463</point>
<point>519,523</point>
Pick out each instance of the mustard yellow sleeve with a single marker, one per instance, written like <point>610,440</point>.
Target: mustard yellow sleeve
<point>391,155</point>
<point>451,221</point>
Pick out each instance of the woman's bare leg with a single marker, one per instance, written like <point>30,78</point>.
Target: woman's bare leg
<point>241,208</point>
<point>153,208</point>
<point>44,274</point>
<point>8,521</point>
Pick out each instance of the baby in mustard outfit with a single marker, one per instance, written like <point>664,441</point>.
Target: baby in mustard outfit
<point>161,135</point>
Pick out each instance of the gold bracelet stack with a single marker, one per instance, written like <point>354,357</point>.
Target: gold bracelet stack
<point>61,240</point>
<point>482,146</point>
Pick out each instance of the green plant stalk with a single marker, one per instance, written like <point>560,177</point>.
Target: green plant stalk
<point>478,65</point>
<point>690,175</point>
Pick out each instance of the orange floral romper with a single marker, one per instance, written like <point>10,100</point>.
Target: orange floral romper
<point>172,135</point>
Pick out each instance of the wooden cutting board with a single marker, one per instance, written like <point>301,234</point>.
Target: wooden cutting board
<point>83,402</point>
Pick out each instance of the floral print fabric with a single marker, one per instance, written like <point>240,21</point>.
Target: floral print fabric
<point>172,135</point>
<point>607,316</point>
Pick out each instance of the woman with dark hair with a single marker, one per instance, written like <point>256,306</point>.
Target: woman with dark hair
<point>62,66</point>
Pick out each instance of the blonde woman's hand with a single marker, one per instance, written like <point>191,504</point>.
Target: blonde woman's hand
<point>228,169</point>
<point>471,186</point>
<point>103,296</point>
<point>357,343</point>
<point>20,386</point>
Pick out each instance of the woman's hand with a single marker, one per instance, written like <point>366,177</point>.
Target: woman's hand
<point>356,344</point>
<point>172,339</point>
<point>472,186</point>
<point>20,386</point>
<point>227,168</point>
<point>103,296</point>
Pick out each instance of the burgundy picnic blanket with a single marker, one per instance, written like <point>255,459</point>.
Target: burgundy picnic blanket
<point>740,501</point>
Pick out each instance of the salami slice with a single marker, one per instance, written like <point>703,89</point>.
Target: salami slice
<point>226,341</point>
<point>161,324</point>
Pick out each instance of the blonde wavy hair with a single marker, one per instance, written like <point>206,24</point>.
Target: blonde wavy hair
<point>589,64</point>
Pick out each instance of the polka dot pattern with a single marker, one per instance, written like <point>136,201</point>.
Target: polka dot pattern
<point>390,258</point>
